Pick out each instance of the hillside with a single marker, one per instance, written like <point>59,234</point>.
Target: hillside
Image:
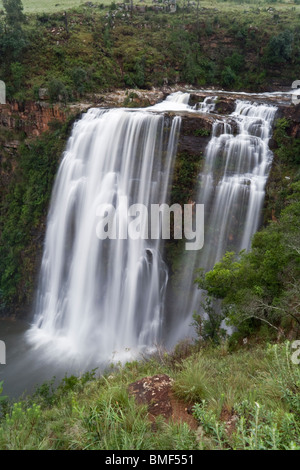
<point>52,59</point>
<point>207,399</point>
<point>95,48</point>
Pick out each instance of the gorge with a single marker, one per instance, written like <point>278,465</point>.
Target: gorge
<point>103,300</point>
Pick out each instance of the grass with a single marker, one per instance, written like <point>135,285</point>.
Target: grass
<point>247,399</point>
<point>53,6</point>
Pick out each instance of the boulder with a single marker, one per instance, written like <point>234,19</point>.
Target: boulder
<point>43,94</point>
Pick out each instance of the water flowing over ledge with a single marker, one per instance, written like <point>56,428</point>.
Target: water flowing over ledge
<point>99,296</point>
<point>232,189</point>
<point>101,299</point>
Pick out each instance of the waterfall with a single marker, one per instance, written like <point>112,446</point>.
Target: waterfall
<point>178,97</point>
<point>98,296</point>
<point>232,189</point>
<point>234,178</point>
<point>207,105</point>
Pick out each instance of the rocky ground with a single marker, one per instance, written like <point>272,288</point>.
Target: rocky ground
<point>156,393</point>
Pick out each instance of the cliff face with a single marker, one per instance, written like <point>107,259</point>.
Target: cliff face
<point>292,114</point>
<point>195,133</point>
<point>32,118</point>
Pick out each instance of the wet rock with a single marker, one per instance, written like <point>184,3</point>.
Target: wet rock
<point>225,106</point>
<point>195,133</point>
<point>196,98</point>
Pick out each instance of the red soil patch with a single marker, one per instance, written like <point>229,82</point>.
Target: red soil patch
<point>156,392</point>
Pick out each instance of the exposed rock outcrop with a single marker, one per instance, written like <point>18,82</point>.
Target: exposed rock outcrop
<point>292,113</point>
<point>196,130</point>
<point>195,133</point>
<point>156,393</point>
<point>31,117</point>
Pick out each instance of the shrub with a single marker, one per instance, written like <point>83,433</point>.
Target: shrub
<point>228,77</point>
<point>79,78</point>
<point>260,285</point>
<point>192,381</point>
<point>57,91</point>
<point>280,48</point>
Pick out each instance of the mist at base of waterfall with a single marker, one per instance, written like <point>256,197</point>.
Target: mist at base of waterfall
<point>102,302</point>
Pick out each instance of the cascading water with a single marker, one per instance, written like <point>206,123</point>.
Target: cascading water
<point>207,105</point>
<point>232,189</point>
<point>234,178</point>
<point>99,296</point>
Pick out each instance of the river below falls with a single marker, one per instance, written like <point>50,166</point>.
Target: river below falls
<point>30,363</point>
<point>27,368</point>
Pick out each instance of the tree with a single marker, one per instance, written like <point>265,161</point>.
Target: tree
<point>262,284</point>
<point>13,40</point>
<point>236,62</point>
<point>14,13</point>
<point>228,76</point>
<point>280,48</point>
<point>208,324</point>
<point>12,45</point>
<point>57,91</point>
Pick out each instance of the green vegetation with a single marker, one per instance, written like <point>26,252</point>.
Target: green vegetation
<point>248,399</point>
<point>202,132</point>
<point>261,287</point>
<point>23,212</point>
<point>288,150</point>
<point>32,6</point>
<point>187,167</point>
<point>94,47</point>
<point>242,390</point>
<point>12,38</point>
